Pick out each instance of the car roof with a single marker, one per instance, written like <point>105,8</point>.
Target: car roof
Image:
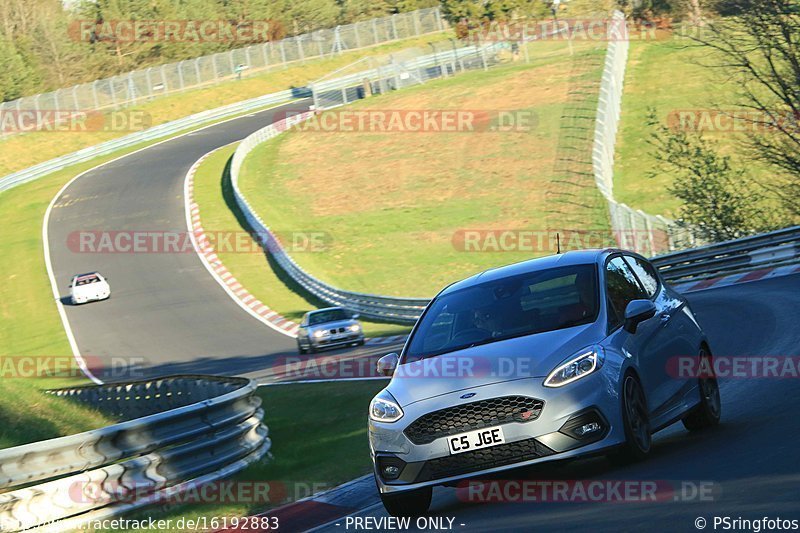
<point>325,309</point>
<point>87,275</point>
<point>570,258</point>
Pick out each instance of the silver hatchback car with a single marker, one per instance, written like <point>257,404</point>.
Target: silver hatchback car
<point>549,359</point>
<point>327,328</point>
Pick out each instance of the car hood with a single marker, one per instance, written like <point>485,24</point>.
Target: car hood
<point>331,325</point>
<point>507,360</point>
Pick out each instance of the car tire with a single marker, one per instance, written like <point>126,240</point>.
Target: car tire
<point>361,342</point>
<point>411,503</point>
<point>635,421</point>
<point>300,348</point>
<point>707,413</point>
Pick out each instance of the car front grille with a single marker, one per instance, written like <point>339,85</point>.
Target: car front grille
<point>474,461</point>
<point>474,415</point>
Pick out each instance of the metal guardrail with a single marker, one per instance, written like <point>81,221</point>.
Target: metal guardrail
<point>151,134</point>
<point>180,431</point>
<point>173,78</point>
<point>635,230</point>
<point>403,310</point>
<point>773,249</point>
<point>387,308</point>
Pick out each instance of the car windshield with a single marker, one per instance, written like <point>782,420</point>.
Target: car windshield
<point>86,280</point>
<point>540,301</point>
<point>328,315</point>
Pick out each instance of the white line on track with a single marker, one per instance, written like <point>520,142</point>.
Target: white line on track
<point>45,236</point>
<point>187,200</point>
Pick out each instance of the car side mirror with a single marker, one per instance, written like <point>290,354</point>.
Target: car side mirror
<point>638,311</point>
<point>355,316</point>
<point>387,364</point>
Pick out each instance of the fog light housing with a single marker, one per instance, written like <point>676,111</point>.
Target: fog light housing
<point>390,468</point>
<point>391,472</point>
<point>586,426</point>
<point>591,427</point>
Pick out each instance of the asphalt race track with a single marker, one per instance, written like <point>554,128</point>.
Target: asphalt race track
<point>167,310</point>
<point>750,460</point>
<point>166,315</point>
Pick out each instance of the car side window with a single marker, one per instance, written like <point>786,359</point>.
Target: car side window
<point>646,273</point>
<point>621,287</point>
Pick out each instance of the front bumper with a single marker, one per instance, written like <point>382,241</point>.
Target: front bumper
<point>323,342</point>
<point>549,437</point>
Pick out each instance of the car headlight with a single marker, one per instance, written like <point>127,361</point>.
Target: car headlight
<point>384,408</point>
<point>575,368</point>
<point>355,327</point>
<point>320,333</point>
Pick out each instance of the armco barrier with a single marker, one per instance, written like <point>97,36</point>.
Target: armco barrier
<point>179,431</point>
<point>151,134</point>
<point>767,250</point>
<point>403,310</point>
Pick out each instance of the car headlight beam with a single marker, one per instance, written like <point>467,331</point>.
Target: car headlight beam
<point>575,368</point>
<point>384,408</point>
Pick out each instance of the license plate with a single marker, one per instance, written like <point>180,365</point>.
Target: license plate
<point>475,440</point>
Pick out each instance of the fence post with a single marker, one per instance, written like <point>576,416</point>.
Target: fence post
<point>300,51</point>
<point>417,23</point>
<point>197,73</point>
<point>393,18</point>
<point>94,94</point>
<point>149,81</point>
<point>131,88</point>
<point>75,97</point>
<point>283,53</point>
<point>358,37</point>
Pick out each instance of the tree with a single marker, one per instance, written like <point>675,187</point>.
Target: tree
<point>16,77</point>
<point>719,200</point>
<point>759,49</point>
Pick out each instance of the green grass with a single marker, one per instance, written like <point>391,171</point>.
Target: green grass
<point>263,279</point>
<point>669,75</point>
<point>29,322</point>
<point>392,203</point>
<point>312,449</point>
<point>27,414</point>
<point>21,151</point>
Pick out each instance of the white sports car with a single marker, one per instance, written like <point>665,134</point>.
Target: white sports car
<point>89,287</point>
